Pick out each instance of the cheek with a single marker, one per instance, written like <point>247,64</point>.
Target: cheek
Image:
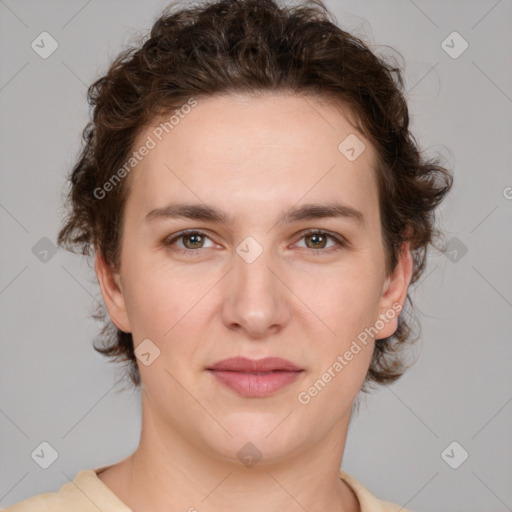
<point>164,308</point>
<point>156,309</point>
<point>344,300</point>
<point>167,304</point>
<point>344,350</point>
<point>156,298</point>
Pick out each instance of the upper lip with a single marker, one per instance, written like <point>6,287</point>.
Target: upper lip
<point>242,364</point>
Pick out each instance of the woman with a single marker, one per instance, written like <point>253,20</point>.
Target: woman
<point>258,209</point>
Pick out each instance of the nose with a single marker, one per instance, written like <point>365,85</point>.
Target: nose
<point>256,301</point>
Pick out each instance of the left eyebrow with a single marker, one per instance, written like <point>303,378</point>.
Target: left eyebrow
<point>319,211</point>
<point>294,214</point>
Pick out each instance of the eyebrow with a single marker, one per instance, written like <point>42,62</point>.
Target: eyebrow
<point>294,214</point>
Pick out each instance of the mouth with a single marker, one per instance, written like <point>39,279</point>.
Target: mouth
<point>255,378</point>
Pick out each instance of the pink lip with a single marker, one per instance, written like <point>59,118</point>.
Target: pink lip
<point>255,378</point>
<point>242,364</point>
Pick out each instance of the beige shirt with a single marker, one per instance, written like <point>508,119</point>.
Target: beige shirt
<point>87,493</point>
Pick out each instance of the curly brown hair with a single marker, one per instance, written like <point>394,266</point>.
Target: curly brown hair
<point>251,47</point>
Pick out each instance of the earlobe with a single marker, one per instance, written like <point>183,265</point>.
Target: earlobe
<point>395,292</point>
<point>112,293</point>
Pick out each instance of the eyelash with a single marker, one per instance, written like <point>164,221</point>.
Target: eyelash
<point>340,242</point>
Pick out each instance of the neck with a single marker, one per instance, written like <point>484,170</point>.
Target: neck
<point>171,472</point>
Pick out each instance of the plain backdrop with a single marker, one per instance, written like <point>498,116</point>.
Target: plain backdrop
<point>57,389</point>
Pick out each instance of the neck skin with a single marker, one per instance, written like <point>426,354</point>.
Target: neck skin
<point>168,473</point>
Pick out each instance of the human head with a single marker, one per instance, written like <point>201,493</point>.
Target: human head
<point>253,47</point>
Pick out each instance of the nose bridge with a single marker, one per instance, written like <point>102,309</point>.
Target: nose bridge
<point>253,276</point>
<point>256,299</point>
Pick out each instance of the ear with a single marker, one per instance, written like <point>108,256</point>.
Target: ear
<point>394,293</point>
<point>112,293</point>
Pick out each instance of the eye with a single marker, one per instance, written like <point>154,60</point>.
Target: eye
<point>317,240</point>
<point>190,241</point>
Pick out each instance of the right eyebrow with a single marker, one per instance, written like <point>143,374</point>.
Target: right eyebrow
<point>187,211</point>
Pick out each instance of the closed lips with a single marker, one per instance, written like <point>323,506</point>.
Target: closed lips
<point>258,366</point>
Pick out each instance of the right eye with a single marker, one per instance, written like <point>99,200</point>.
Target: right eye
<point>191,241</point>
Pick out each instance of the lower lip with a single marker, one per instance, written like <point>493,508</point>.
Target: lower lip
<point>254,385</point>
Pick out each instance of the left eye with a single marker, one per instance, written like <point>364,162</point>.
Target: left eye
<point>192,241</point>
<point>319,239</point>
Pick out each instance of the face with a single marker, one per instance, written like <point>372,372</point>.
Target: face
<point>259,273</point>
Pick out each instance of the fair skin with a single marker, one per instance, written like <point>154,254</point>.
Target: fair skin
<point>301,299</point>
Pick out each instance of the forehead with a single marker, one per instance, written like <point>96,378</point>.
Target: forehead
<point>249,153</point>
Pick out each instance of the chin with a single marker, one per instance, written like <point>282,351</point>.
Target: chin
<point>262,439</point>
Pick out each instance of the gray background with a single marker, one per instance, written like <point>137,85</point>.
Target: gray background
<point>55,387</point>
